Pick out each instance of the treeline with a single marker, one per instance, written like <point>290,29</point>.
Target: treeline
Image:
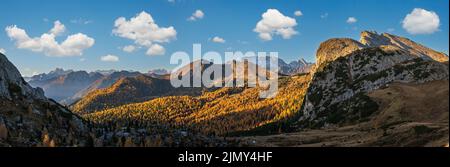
<point>214,113</point>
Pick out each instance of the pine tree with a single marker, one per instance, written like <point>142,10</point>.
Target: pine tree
<point>129,142</point>
<point>30,109</point>
<point>46,140</point>
<point>3,130</point>
<point>119,142</point>
<point>52,143</point>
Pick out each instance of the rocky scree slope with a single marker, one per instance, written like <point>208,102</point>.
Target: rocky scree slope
<point>28,118</point>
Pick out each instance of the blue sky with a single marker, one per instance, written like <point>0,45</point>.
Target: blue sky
<point>232,20</point>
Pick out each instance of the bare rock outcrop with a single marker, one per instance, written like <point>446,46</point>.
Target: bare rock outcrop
<point>332,49</point>
<point>373,39</point>
<point>12,83</point>
<point>28,118</point>
<point>347,70</point>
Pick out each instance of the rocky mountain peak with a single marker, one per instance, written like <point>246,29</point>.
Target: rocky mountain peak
<point>52,74</point>
<point>28,118</point>
<point>334,48</point>
<point>160,71</point>
<point>373,39</point>
<point>12,84</point>
<point>303,61</point>
<point>348,70</point>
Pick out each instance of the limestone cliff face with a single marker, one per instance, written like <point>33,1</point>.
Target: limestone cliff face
<point>347,70</point>
<point>28,118</point>
<point>334,48</point>
<point>11,81</point>
<point>373,39</point>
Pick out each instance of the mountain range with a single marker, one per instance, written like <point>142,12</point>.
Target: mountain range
<point>383,90</point>
<point>68,86</point>
<point>339,92</point>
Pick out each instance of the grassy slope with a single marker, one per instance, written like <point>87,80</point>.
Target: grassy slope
<point>409,115</point>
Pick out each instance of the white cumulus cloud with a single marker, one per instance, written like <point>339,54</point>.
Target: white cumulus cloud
<point>218,40</point>
<point>129,48</point>
<point>156,50</point>
<point>143,30</point>
<point>298,13</point>
<point>197,15</point>
<point>2,51</point>
<point>73,45</point>
<point>275,23</point>
<point>421,21</point>
<point>58,28</point>
<point>109,58</point>
<point>351,20</point>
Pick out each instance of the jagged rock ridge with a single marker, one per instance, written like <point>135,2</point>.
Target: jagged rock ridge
<point>373,39</point>
<point>12,82</point>
<point>28,118</point>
